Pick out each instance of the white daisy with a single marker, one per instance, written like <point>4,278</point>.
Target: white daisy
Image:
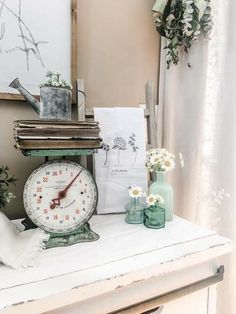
<point>155,159</point>
<point>151,151</point>
<point>159,159</point>
<point>162,166</point>
<point>135,191</point>
<point>151,199</point>
<point>160,199</point>
<point>169,164</point>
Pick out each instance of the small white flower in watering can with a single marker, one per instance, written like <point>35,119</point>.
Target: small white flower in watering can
<point>54,80</point>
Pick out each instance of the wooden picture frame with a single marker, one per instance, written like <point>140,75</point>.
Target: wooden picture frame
<point>73,61</point>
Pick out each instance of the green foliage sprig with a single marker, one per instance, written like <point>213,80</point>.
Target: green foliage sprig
<point>182,22</point>
<point>54,80</point>
<point>5,182</point>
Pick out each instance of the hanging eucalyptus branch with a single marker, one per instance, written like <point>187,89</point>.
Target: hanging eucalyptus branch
<point>182,22</point>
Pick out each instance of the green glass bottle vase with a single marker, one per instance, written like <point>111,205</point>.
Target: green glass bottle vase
<point>154,217</point>
<point>162,187</point>
<point>134,211</point>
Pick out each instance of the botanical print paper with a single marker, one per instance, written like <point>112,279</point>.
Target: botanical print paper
<point>121,162</point>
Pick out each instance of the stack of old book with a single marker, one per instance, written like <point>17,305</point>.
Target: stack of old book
<point>47,134</point>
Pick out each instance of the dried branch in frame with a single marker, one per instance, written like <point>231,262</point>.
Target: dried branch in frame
<point>3,29</point>
<point>26,39</point>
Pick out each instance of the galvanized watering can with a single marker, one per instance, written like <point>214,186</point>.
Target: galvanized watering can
<point>55,102</point>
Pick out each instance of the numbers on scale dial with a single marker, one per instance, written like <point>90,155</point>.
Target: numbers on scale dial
<point>71,206</point>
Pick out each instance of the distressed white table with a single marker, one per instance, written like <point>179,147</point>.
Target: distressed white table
<point>130,269</point>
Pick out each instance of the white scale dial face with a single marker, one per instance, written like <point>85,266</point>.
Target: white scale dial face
<point>60,196</point>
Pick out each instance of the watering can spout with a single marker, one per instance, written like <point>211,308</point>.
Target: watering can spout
<point>30,98</point>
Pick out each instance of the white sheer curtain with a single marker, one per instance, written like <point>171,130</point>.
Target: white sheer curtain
<point>197,117</point>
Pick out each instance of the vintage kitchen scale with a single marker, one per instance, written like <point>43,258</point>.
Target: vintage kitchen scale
<point>60,196</point>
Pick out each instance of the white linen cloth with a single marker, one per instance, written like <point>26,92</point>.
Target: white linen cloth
<point>122,161</point>
<point>18,249</point>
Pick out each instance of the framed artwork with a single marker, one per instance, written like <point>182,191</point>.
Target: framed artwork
<point>36,37</point>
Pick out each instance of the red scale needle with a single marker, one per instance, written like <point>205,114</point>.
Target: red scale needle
<point>62,194</point>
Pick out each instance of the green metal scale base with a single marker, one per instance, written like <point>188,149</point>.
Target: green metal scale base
<point>82,234</point>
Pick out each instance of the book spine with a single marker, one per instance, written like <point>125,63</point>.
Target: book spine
<point>38,137</point>
<point>58,144</point>
<point>62,127</point>
<point>48,123</point>
<point>20,132</point>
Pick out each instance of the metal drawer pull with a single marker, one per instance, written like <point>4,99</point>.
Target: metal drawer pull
<point>157,310</point>
<point>172,295</point>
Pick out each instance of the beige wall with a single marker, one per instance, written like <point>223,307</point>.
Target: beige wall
<point>118,50</point>
<point>19,165</point>
<point>118,53</point>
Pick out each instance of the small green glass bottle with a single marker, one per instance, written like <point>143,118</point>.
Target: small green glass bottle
<point>134,211</point>
<point>154,217</point>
